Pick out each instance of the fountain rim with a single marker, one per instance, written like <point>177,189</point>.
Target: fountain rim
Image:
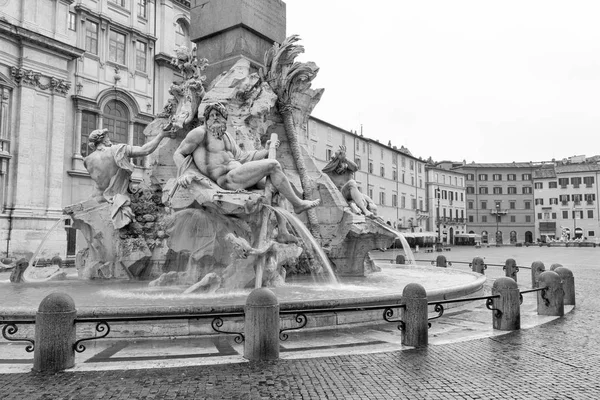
<point>454,292</point>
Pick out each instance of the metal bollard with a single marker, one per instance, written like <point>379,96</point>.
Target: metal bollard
<point>509,304</point>
<point>55,334</point>
<point>537,267</point>
<point>478,265</point>
<point>551,300</point>
<point>554,266</point>
<point>415,332</point>
<point>261,326</point>
<point>511,269</point>
<point>440,261</point>
<point>568,282</point>
<point>400,259</point>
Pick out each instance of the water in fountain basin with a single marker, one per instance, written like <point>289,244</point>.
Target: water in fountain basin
<point>308,239</point>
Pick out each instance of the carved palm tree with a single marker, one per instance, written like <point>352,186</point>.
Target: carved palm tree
<point>286,78</point>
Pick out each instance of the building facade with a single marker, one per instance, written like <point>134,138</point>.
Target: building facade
<point>500,201</point>
<point>566,200</point>
<point>446,199</point>
<point>68,67</point>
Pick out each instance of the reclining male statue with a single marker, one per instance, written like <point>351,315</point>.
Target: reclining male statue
<point>341,171</point>
<point>210,151</point>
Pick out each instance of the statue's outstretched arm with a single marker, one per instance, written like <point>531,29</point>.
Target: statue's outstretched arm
<point>148,148</point>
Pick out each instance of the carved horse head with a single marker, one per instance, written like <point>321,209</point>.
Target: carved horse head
<point>187,96</point>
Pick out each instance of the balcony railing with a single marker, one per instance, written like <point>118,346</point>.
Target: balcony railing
<point>498,212</point>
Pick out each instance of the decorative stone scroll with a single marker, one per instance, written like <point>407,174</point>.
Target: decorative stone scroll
<point>33,78</point>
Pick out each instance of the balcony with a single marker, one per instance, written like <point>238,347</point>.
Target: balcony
<point>450,221</point>
<point>498,212</point>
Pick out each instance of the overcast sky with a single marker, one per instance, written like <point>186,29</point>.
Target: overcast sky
<point>478,80</point>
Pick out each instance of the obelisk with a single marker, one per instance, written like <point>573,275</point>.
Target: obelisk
<point>226,30</point>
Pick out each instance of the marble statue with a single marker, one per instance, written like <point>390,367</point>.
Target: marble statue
<point>341,171</point>
<point>110,168</point>
<point>210,151</point>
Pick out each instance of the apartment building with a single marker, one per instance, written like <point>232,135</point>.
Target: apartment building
<point>391,176</point>
<point>446,199</point>
<point>500,201</point>
<point>566,200</point>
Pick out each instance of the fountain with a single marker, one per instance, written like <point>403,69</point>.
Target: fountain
<point>190,240</point>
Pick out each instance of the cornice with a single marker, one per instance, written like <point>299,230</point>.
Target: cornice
<point>28,36</point>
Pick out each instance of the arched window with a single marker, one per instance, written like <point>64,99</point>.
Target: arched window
<point>182,36</point>
<point>116,120</point>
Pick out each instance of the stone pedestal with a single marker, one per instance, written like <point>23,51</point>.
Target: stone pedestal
<point>226,30</point>
<point>415,329</point>
<point>261,326</point>
<point>508,303</point>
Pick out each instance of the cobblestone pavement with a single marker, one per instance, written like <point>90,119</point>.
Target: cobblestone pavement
<point>558,360</point>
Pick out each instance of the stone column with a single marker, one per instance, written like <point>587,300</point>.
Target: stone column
<point>415,332</point>
<point>511,269</point>
<point>537,267</point>
<point>261,326</point>
<point>509,304</point>
<point>55,334</point>
<point>440,261</point>
<point>568,282</point>
<point>478,265</point>
<point>551,300</point>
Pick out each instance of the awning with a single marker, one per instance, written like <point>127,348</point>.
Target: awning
<point>467,235</point>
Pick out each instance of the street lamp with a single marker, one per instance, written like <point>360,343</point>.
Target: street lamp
<point>497,222</point>
<point>437,194</point>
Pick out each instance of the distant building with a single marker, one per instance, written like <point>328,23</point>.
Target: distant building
<point>566,199</point>
<point>500,201</point>
<point>446,200</point>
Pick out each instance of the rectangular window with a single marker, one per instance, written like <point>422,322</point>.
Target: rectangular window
<point>357,161</point>
<point>591,233</point>
<point>512,190</point>
<point>142,9</point>
<point>553,215</point>
<point>371,192</point>
<point>576,181</point>
<point>538,185</point>
<point>528,218</point>
<point>552,185</point>
<point>370,167</point>
<point>483,177</point>
<point>419,168</point>
<point>403,202</point>
<point>116,47</point>
<point>539,215</point>
<point>140,56</point>
<point>565,214</point>
<point>381,152</point>
<point>470,190</point>
<point>483,190</point>
<point>497,190</point>
<point>420,204</point>
<point>484,218</point>
<point>370,148</point>
<point>590,197</point>
<point>526,177</point>
<point>394,175</point>
<point>553,200</point>
<point>470,218</point>
<point>328,154</point>
<point>357,145</point>
<point>382,170</point>
<point>72,23</point>
<point>563,182</point>
<point>118,2</point>
<point>382,198</point>
<point>394,200</point>
<point>484,205</point>
<point>590,213</point>
<point>511,177</point>
<point>528,205</point>
<point>497,177</point>
<point>91,37</point>
<point>413,204</point>
<point>403,161</point>
<point>412,165</point>
<point>526,189</point>
<point>512,205</point>
<point>462,197</point>
<point>539,202</point>
<point>88,124</point>
<point>394,159</point>
<point>138,140</point>
<point>470,177</point>
<point>513,218</point>
<point>589,181</point>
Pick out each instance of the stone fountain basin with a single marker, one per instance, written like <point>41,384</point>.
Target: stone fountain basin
<point>105,299</point>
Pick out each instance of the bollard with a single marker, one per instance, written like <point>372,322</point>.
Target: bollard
<point>511,269</point>
<point>508,303</point>
<point>400,259</point>
<point>440,261</point>
<point>478,265</point>
<point>261,326</point>
<point>551,300</point>
<point>568,284</point>
<point>554,266</point>
<point>537,267</point>
<point>415,329</point>
<point>55,334</point>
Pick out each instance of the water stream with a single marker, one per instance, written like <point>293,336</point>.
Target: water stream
<point>52,228</point>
